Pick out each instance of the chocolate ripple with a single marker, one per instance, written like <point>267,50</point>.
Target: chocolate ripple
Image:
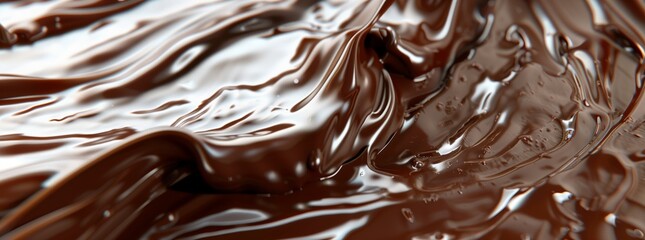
<point>322,119</point>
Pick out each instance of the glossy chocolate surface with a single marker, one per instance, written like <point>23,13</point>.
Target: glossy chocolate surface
<point>368,119</point>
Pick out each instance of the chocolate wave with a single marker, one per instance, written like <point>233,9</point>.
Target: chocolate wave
<point>322,119</point>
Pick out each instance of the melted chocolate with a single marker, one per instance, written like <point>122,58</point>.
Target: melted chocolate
<point>322,119</point>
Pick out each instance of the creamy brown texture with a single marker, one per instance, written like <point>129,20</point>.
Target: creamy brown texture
<point>322,119</point>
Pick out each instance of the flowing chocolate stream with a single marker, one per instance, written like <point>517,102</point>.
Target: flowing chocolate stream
<point>368,119</point>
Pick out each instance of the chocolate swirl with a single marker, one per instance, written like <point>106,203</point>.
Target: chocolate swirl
<point>322,119</point>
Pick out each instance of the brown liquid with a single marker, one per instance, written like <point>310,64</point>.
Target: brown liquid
<point>322,119</point>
